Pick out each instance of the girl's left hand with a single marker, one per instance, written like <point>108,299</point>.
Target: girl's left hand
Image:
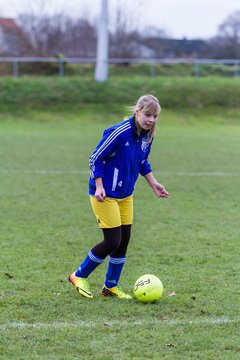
<point>160,191</point>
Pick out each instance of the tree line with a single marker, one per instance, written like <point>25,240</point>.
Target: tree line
<point>62,35</point>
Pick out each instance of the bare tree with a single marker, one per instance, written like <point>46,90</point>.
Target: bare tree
<point>48,35</point>
<point>80,38</point>
<point>124,35</point>
<point>49,32</point>
<point>229,30</point>
<point>227,42</point>
<point>43,33</point>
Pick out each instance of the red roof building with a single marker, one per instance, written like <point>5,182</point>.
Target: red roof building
<point>11,38</point>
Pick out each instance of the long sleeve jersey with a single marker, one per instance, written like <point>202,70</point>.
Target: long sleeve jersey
<point>119,158</point>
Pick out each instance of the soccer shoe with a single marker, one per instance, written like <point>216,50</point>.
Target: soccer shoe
<point>81,285</point>
<point>115,291</point>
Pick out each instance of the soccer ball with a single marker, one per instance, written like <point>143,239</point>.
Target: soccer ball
<point>148,288</point>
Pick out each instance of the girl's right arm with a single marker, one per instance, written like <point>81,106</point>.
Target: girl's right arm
<point>104,149</point>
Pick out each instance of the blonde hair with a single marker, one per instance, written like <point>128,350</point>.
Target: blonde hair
<point>148,104</point>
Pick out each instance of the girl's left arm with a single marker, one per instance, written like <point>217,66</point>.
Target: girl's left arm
<point>158,189</point>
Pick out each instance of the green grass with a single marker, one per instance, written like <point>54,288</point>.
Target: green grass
<point>76,92</point>
<point>191,241</point>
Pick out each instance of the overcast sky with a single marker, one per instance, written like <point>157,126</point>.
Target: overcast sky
<point>179,18</point>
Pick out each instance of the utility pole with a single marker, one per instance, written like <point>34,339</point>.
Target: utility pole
<point>101,70</point>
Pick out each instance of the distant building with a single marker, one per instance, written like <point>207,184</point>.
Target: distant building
<point>173,48</point>
<point>184,48</point>
<point>11,38</point>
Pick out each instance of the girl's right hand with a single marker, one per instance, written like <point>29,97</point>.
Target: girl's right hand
<point>100,193</point>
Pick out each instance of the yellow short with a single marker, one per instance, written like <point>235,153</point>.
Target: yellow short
<point>113,212</point>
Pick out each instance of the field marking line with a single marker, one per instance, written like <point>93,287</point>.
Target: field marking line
<point>84,172</point>
<point>43,172</point>
<point>164,323</point>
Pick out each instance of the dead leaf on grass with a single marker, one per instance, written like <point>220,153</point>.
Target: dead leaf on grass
<point>170,345</point>
<point>9,275</point>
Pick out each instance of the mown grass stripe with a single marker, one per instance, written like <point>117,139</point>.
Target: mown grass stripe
<point>83,172</point>
<point>202,322</point>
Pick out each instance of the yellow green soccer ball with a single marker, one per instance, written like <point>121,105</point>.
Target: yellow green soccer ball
<point>148,288</point>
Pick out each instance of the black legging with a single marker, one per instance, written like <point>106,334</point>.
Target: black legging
<point>115,242</point>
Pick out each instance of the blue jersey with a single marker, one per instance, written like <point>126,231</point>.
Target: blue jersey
<point>119,158</point>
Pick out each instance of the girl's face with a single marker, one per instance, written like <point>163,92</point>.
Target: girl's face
<point>146,121</point>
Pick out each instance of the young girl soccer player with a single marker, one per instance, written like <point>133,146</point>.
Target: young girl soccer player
<point>115,164</point>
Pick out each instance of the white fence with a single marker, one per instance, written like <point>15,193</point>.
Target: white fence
<point>15,61</point>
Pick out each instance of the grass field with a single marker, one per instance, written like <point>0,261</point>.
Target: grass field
<point>191,241</point>
<point>177,92</point>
